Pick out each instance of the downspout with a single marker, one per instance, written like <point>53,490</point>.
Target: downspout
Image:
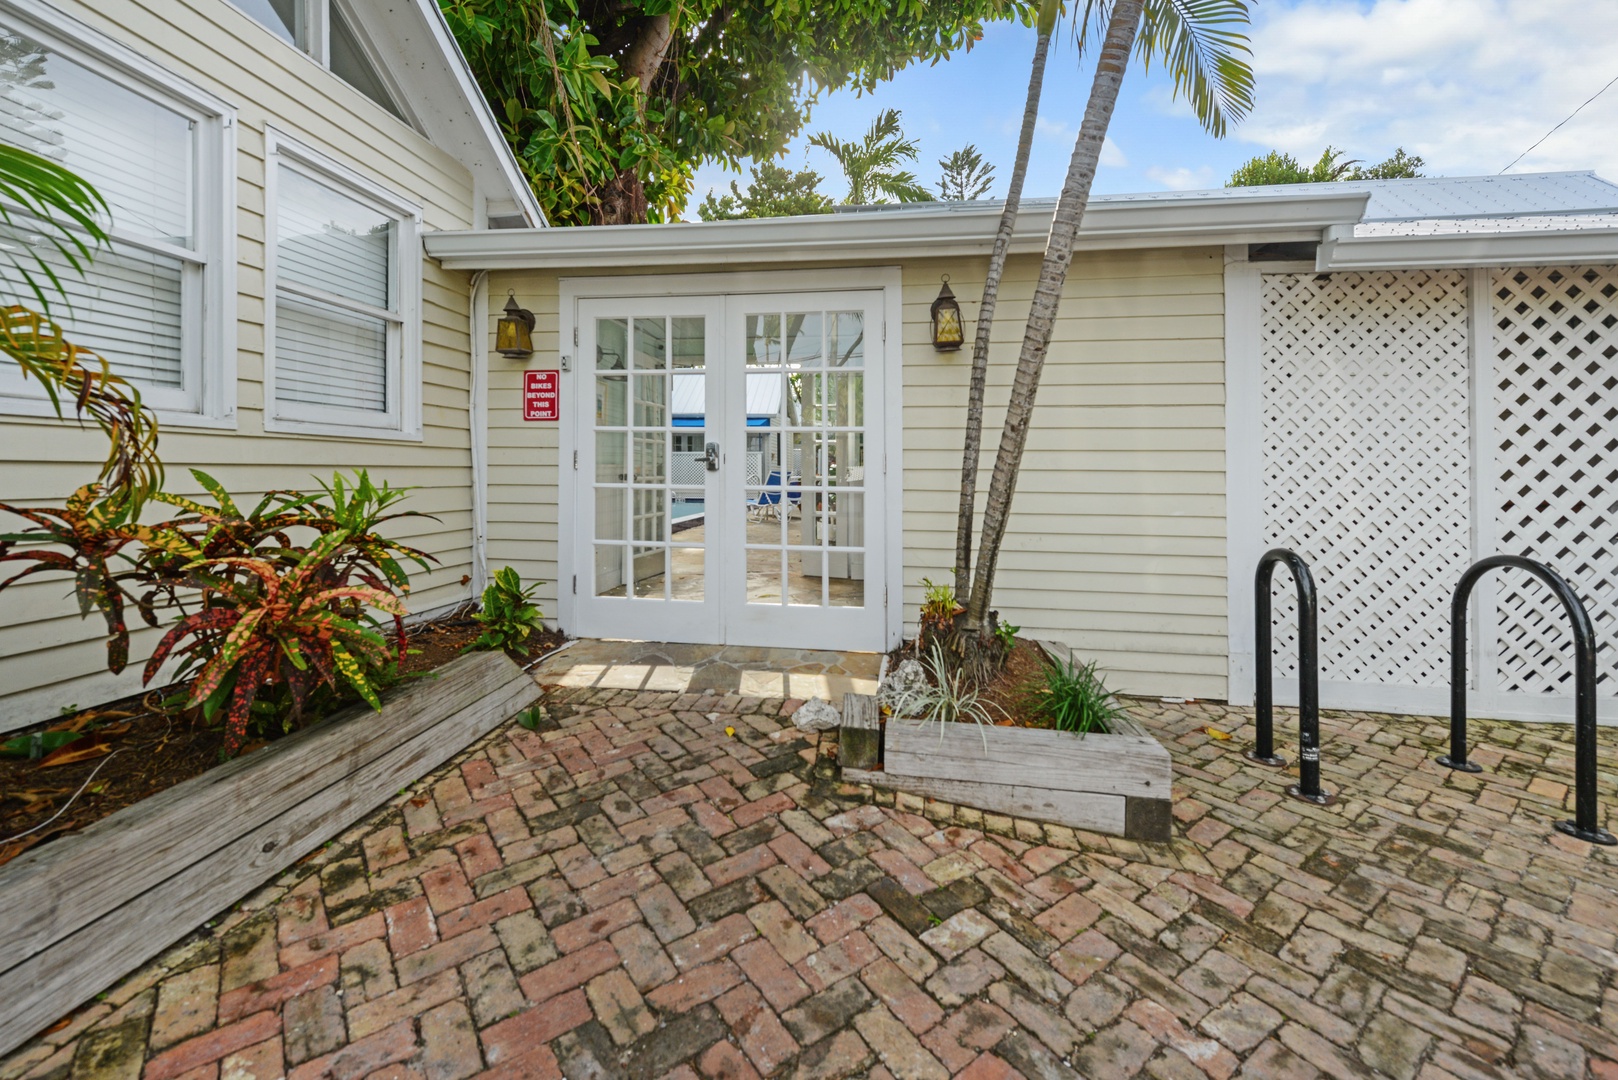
<point>478,417</point>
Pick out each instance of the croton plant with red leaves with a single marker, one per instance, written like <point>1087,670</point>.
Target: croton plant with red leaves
<point>285,597</point>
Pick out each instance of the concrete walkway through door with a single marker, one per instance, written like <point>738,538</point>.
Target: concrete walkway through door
<point>724,669</point>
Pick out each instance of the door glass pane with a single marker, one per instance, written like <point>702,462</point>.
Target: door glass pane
<point>690,348</point>
<point>837,401</point>
<point>651,458</point>
<point>609,569</point>
<point>651,401</point>
<point>764,574</point>
<point>612,401</point>
<point>651,344</point>
<point>649,517</point>
<point>611,521</point>
<point>763,340</point>
<point>611,457</point>
<point>846,344</point>
<point>612,344</point>
<point>804,345</point>
<point>687,573</point>
<point>650,572</point>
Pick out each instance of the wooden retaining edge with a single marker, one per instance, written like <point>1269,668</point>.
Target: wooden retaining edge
<point>1115,784</point>
<point>80,913</point>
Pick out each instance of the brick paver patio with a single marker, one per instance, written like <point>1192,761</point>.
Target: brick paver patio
<point>636,891</point>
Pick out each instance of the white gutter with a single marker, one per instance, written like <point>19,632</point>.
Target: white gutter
<point>478,417</point>
<point>1165,221</point>
<point>1340,249</point>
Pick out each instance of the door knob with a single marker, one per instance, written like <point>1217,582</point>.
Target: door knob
<point>711,457</point>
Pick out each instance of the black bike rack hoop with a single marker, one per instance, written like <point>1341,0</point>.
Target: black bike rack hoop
<point>1584,825</point>
<point>1308,786</point>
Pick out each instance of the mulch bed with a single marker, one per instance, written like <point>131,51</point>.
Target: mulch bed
<point>133,752</point>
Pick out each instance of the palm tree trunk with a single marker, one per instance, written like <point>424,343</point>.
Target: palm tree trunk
<point>1113,61</point>
<point>991,294</point>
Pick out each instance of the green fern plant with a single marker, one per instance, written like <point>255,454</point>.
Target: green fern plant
<point>1074,697</point>
<point>509,614</point>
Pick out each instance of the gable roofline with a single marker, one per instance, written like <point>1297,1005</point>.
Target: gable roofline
<point>444,105</point>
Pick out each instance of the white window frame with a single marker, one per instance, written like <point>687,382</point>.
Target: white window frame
<point>402,417</point>
<point>316,47</point>
<point>207,394</point>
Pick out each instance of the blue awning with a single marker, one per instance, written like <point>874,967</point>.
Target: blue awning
<point>697,421</point>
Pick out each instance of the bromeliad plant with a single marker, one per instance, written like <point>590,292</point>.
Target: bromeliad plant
<point>264,613</point>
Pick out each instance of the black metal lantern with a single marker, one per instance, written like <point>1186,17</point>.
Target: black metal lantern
<point>948,331</point>
<point>513,334</point>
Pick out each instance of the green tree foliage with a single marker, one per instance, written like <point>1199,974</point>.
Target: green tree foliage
<point>1401,166</point>
<point>772,191</point>
<point>1278,168</point>
<point>611,106</point>
<point>872,164</point>
<point>966,176</point>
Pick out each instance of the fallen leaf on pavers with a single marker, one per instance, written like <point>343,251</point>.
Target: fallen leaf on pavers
<point>1215,733</point>
<point>419,801</point>
<point>87,748</point>
<point>731,732</point>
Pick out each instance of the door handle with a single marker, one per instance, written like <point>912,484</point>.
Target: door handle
<point>711,457</point>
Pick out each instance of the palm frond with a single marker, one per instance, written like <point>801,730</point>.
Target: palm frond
<point>1203,45</point>
<point>60,211</point>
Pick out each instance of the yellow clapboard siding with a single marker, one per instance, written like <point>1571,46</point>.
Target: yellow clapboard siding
<point>47,654</point>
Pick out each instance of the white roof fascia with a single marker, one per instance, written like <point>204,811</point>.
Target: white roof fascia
<point>480,145</point>
<point>1340,249</point>
<point>833,238</point>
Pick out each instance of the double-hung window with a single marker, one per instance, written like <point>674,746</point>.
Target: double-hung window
<point>154,301</point>
<point>344,349</point>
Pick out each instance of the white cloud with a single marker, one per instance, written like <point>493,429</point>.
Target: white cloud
<point>1059,131</point>
<point>1467,84</point>
<point>1182,178</point>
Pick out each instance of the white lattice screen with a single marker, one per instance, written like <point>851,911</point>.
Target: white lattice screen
<point>1366,462</point>
<point>1556,423</point>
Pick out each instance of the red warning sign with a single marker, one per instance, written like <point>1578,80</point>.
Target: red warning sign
<point>541,395</point>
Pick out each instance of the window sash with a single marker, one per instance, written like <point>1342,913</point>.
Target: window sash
<point>183,234</point>
<point>341,390</point>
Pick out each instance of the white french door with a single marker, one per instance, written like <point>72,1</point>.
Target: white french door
<point>640,571</point>
<point>729,486</point>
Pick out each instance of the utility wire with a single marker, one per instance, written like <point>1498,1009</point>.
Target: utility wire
<point>63,810</point>
<point>1558,127</point>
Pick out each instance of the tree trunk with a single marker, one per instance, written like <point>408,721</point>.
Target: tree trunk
<point>1111,64</point>
<point>623,200</point>
<point>980,341</point>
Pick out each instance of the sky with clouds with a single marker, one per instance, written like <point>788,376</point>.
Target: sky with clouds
<point>1466,84</point>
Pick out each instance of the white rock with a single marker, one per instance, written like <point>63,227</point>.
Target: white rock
<point>908,677</point>
<point>817,715</point>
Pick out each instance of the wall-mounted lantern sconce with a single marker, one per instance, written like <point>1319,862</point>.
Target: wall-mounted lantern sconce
<point>513,335</point>
<point>947,329</point>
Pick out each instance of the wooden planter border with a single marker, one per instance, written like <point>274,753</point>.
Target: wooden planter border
<point>81,912</point>
<point>1118,783</point>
